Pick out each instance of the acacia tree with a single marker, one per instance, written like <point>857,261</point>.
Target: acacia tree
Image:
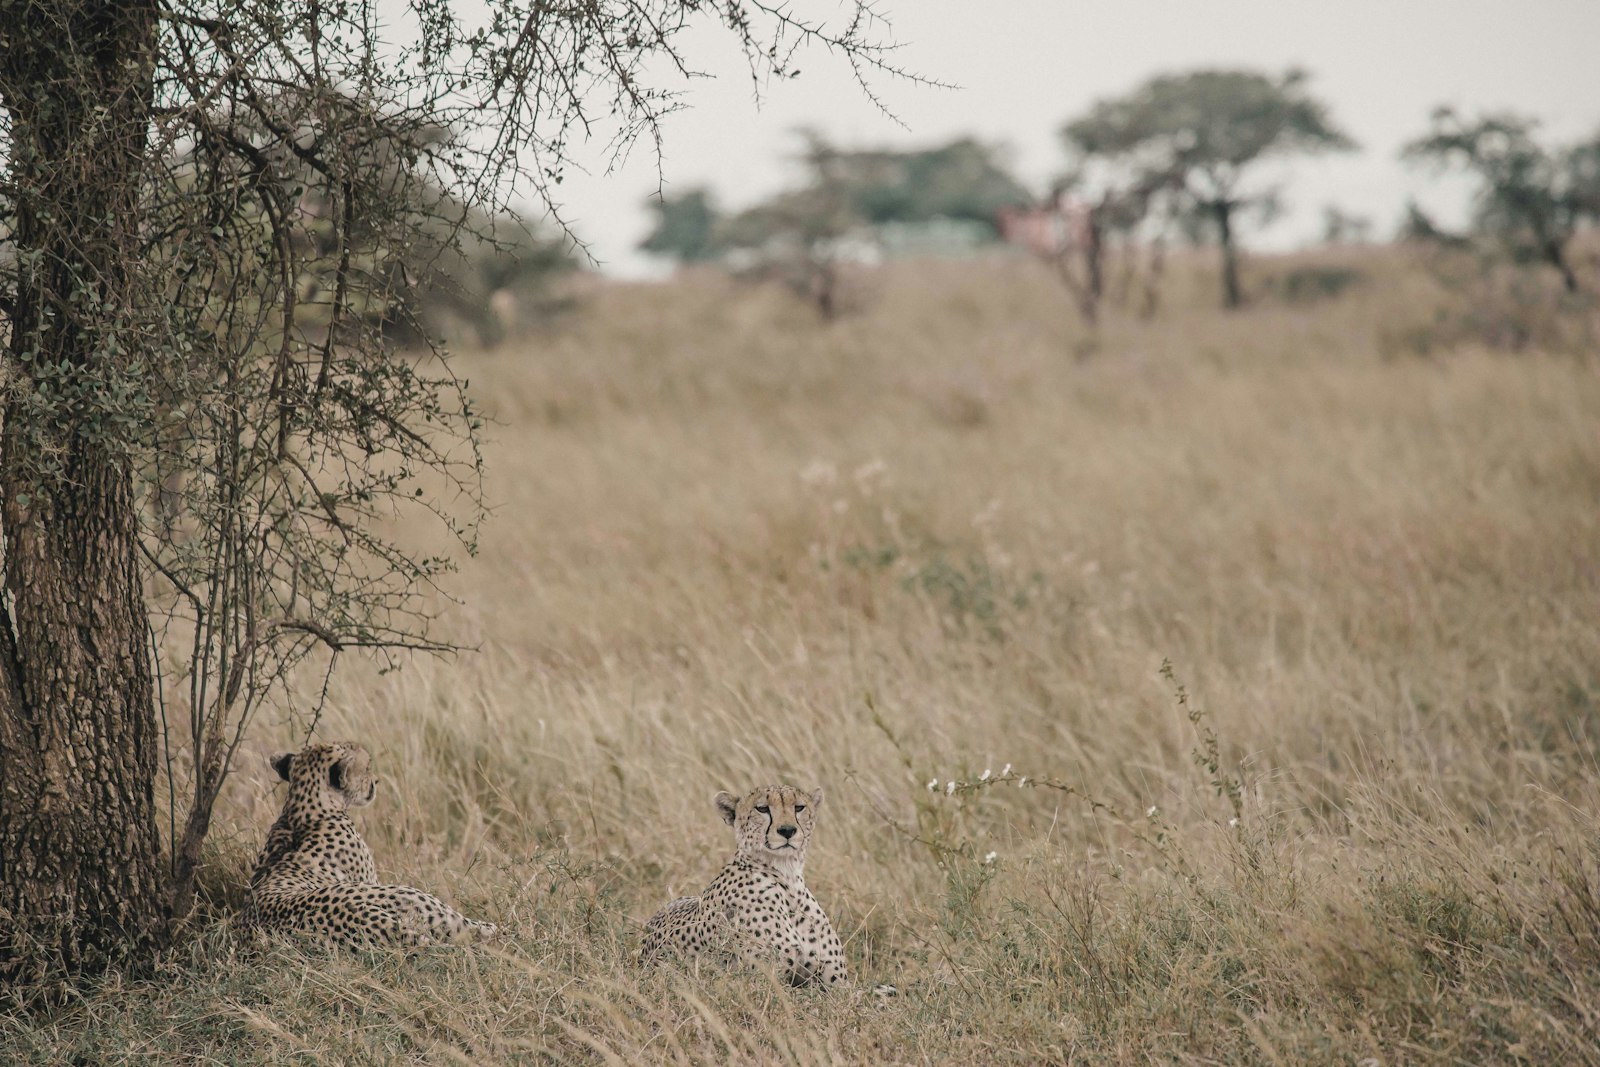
<point>801,237</point>
<point>962,181</point>
<point>849,199</point>
<point>206,212</point>
<point>1107,207</point>
<point>1208,130</point>
<point>1531,198</point>
<point>685,228</point>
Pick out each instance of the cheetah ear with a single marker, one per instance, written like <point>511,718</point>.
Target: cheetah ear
<point>336,775</point>
<point>816,798</point>
<point>280,763</point>
<point>728,804</point>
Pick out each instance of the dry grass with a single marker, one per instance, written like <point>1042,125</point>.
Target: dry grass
<point>940,537</point>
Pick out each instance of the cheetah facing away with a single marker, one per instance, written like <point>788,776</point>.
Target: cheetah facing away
<point>315,874</point>
<point>758,908</point>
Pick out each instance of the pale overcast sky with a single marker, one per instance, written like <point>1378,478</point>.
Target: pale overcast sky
<point>1026,66</point>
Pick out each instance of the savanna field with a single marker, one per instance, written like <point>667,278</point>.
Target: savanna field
<point>933,557</point>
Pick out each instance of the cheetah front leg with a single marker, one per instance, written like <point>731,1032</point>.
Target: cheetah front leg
<point>819,944</point>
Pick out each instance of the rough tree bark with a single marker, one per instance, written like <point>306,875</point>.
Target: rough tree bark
<point>81,878</point>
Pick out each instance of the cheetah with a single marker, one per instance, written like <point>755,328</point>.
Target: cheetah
<point>315,874</point>
<point>758,908</point>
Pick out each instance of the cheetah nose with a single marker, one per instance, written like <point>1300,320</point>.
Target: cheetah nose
<point>786,832</point>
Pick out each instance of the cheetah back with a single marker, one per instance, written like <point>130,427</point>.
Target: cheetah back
<point>315,874</point>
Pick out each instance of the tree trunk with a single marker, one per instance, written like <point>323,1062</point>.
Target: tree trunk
<point>1082,295</point>
<point>1154,271</point>
<point>1095,252</point>
<point>825,289</point>
<point>1556,253</point>
<point>1232,295</point>
<point>81,879</point>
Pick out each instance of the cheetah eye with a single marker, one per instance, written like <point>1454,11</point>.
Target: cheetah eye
<point>763,809</point>
<point>798,808</point>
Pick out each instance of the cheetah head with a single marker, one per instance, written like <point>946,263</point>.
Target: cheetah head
<point>772,822</point>
<point>327,777</point>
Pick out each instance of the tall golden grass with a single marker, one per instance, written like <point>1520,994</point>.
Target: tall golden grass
<point>1356,821</point>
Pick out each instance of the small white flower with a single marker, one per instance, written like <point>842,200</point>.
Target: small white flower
<point>818,473</point>
<point>1022,781</point>
<point>949,788</point>
<point>990,858</point>
<point>933,783</point>
<point>1151,813</point>
<point>985,776</point>
<point>1234,821</point>
<point>870,475</point>
<point>1005,770</point>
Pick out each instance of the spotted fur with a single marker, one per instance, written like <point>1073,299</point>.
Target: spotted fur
<point>315,874</point>
<point>758,909</point>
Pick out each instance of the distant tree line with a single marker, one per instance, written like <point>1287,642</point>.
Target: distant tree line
<point>1181,154</point>
<point>951,193</point>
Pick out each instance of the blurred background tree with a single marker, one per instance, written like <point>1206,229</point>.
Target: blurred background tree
<point>1530,198</point>
<point>685,227</point>
<point>852,206</point>
<point>963,181</point>
<point>803,237</point>
<point>1110,203</point>
<point>1207,132</point>
<point>1343,227</point>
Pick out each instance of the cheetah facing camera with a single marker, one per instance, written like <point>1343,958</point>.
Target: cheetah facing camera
<point>315,874</point>
<point>758,908</point>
